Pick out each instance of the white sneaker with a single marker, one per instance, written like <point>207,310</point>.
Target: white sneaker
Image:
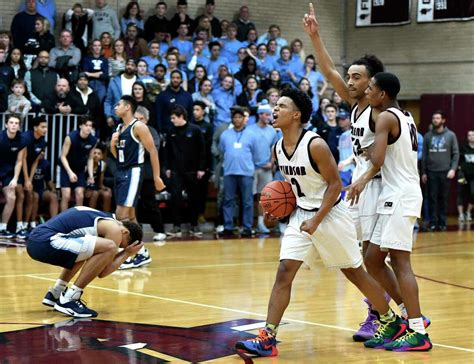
<point>468,216</point>
<point>261,228</point>
<point>461,218</point>
<point>159,237</point>
<point>219,229</point>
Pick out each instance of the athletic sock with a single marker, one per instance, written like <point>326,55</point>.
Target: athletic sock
<point>416,324</point>
<point>142,250</point>
<point>272,329</point>
<point>19,225</point>
<point>73,293</point>
<point>260,220</point>
<point>3,226</point>
<point>403,310</point>
<point>59,287</point>
<point>32,224</point>
<point>388,317</point>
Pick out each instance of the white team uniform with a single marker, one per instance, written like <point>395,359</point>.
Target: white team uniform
<point>364,213</point>
<point>335,238</point>
<point>400,201</point>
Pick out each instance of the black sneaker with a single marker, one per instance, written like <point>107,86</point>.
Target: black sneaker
<point>226,234</point>
<point>195,231</point>
<point>175,232</point>
<point>246,233</point>
<point>74,308</point>
<point>443,228</point>
<point>22,234</point>
<point>49,299</point>
<point>5,234</point>
<point>433,228</point>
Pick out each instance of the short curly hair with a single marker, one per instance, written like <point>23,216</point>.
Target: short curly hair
<point>135,230</point>
<point>302,102</point>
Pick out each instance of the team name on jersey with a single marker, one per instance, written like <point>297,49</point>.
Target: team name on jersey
<point>293,170</point>
<point>357,131</point>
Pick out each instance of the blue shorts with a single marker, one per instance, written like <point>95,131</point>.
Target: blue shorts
<point>127,186</point>
<point>63,251</point>
<point>66,183</point>
<point>6,179</point>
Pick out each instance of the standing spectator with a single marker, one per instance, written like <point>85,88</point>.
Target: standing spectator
<point>23,24</point>
<point>42,40</point>
<point>18,102</point>
<point>157,23</point>
<point>224,98</point>
<point>181,17</point>
<point>154,58</point>
<point>251,98</point>
<point>41,81</point>
<point>305,86</point>
<point>120,85</point>
<point>61,101</point>
<point>12,154</point>
<point>199,112</point>
<point>231,45</point>
<point>466,178</point>
<point>135,47</point>
<point>439,163</point>
<point>46,8</point>
<point>267,137</point>
<point>274,33</point>
<point>118,59</point>
<point>184,45</point>
<point>286,66</point>
<point>243,23</point>
<point>239,147</point>
<point>185,166</point>
<point>173,95</point>
<point>105,20</point>
<point>66,57</point>
<point>216,59</point>
<point>347,162</point>
<point>132,16</point>
<point>76,155</point>
<point>209,13</point>
<point>88,98</point>
<point>204,95</point>
<point>78,20</point>
<point>198,57</point>
<point>96,68</point>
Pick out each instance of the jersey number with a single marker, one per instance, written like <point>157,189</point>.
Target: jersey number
<point>121,157</point>
<point>298,188</point>
<point>413,137</point>
<point>357,147</point>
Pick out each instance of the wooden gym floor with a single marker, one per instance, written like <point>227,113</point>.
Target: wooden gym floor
<point>198,297</point>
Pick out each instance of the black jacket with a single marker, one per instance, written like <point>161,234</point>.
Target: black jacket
<point>51,102</point>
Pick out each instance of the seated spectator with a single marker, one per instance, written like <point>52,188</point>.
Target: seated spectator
<point>118,59</point>
<point>320,114</point>
<point>184,45</point>
<point>264,63</point>
<point>337,100</point>
<point>204,95</point>
<point>76,155</point>
<point>297,51</point>
<point>251,38</point>
<point>249,68</point>
<point>286,66</point>
<point>216,59</point>
<point>272,50</point>
<point>222,73</point>
<point>172,60</point>
<point>236,66</point>
<point>305,86</point>
<point>105,20</point>
<point>274,33</point>
<point>97,191</point>
<point>224,25</point>
<point>231,45</point>
<point>78,21</point>
<point>181,17</point>
<point>15,61</point>
<point>41,81</point>
<point>65,58</point>
<point>44,191</point>
<point>150,83</point>
<point>215,25</point>
<point>6,41</point>
<point>46,9</point>
<point>135,47</point>
<point>61,101</point>
<point>87,97</point>
<point>132,16</point>
<point>272,81</point>
<point>272,96</point>
<point>96,68</point>
<point>164,39</point>
<point>140,94</point>
<point>23,24</point>
<point>160,73</point>
<point>347,163</point>
<point>42,40</point>
<point>243,23</point>
<point>154,58</point>
<point>200,74</point>
<point>203,24</point>
<point>224,97</point>
<point>157,23</point>
<point>334,130</point>
<point>198,56</point>
<point>107,45</point>
<point>18,102</point>
<point>316,79</point>
<point>119,85</point>
<point>251,98</point>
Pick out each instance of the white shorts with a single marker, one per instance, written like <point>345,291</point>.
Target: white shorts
<point>394,231</point>
<point>335,239</point>
<point>83,246</point>
<point>261,178</point>
<point>364,213</point>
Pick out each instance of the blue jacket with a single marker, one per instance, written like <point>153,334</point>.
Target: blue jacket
<point>224,101</point>
<point>165,101</point>
<point>114,93</point>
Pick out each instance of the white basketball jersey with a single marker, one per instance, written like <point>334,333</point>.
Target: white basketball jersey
<point>400,179</point>
<point>302,172</point>
<point>362,136</point>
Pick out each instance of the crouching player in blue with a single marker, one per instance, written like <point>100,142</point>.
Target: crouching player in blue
<point>85,238</point>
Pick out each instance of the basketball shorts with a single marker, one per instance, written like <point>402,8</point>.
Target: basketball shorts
<point>261,178</point>
<point>364,214</point>
<point>127,186</point>
<point>63,251</point>
<point>335,239</point>
<point>6,179</point>
<point>394,231</point>
<point>66,183</point>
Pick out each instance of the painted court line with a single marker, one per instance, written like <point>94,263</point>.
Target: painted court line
<point>233,310</point>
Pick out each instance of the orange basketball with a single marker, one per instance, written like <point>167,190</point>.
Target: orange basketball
<point>277,199</point>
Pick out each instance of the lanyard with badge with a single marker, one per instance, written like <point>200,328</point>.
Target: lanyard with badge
<point>238,144</point>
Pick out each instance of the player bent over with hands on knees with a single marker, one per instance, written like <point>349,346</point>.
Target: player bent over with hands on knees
<point>82,239</point>
<point>321,220</point>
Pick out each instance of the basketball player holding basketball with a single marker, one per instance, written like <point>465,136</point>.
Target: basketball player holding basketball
<point>321,220</point>
<point>85,238</point>
<point>363,207</point>
<point>128,145</point>
<point>394,151</point>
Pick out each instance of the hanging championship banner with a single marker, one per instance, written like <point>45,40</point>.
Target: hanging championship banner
<point>382,12</point>
<point>444,10</point>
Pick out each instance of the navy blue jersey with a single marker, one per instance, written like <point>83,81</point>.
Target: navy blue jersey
<point>79,150</point>
<point>130,151</point>
<point>75,222</point>
<point>42,175</point>
<point>34,147</point>
<point>9,149</point>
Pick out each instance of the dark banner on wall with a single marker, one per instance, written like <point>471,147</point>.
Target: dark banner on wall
<point>445,10</point>
<point>382,12</point>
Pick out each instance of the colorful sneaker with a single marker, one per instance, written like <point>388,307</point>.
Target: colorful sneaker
<point>127,264</point>
<point>426,321</point>
<point>74,308</point>
<point>263,345</point>
<point>411,341</point>
<point>141,259</point>
<point>50,299</point>
<point>386,333</point>
<point>367,329</point>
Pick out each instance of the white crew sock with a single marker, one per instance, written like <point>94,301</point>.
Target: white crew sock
<point>19,225</point>
<point>416,324</point>
<point>403,310</point>
<point>73,293</point>
<point>3,226</point>
<point>59,287</point>
<point>260,220</point>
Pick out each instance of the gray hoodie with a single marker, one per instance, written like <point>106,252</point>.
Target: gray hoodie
<point>440,151</point>
<point>105,20</point>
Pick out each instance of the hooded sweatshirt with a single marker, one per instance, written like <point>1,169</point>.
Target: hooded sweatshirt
<point>105,20</point>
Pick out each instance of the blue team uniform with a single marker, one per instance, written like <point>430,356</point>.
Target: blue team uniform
<point>9,149</point>
<point>34,147</point>
<point>77,158</point>
<point>41,177</point>
<point>62,239</point>
<point>129,174</point>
